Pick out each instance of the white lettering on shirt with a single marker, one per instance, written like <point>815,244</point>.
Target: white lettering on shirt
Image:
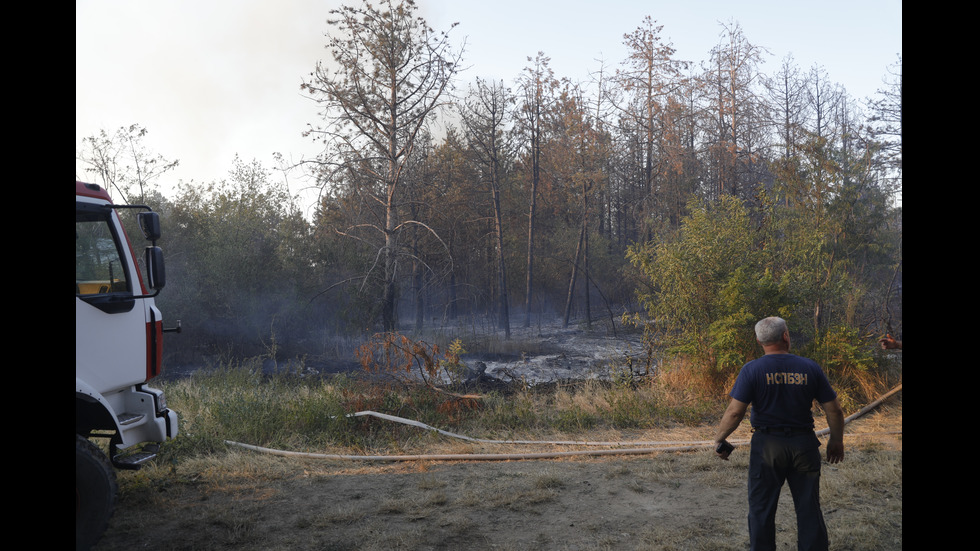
<point>786,378</point>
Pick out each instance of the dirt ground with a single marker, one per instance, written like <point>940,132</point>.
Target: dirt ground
<point>662,501</point>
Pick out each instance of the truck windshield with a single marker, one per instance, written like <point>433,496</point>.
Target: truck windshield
<point>98,265</point>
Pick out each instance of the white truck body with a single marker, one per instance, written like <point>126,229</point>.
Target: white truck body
<point>118,349</point>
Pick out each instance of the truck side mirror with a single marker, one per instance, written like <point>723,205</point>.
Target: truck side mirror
<point>150,225</point>
<point>155,270</point>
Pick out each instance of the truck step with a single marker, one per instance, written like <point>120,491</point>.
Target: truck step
<point>133,460</point>
<point>130,418</point>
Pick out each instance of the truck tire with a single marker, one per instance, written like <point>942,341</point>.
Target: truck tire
<point>95,492</point>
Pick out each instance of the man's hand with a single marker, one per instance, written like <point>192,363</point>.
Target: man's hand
<point>835,452</point>
<point>723,449</point>
<point>835,422</point>
<point>733,415</point>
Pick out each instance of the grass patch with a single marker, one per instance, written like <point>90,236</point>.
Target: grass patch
<point>205,494</point>
<point>302,413</point>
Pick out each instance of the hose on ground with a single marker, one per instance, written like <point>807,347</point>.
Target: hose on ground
<point>648,447</point>
<point>865,409</point>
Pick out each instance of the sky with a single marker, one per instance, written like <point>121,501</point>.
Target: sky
<point>212,79</point>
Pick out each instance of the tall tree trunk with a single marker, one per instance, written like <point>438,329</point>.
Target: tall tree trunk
<point>503,308</point>
<point>574,276</point>
<point>585,269</point>
<point>530,235</point>
<point>388,298</point>
<point>418,285</point>
<point>388,316</point>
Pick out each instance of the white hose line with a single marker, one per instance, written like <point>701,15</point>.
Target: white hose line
<point>666,446</point>
<point>865,409</point>
<point>467,456</point>
<point>485,441</point>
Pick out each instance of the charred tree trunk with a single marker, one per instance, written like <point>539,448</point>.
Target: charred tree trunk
<point>574,277</point>
<point>503,306</point>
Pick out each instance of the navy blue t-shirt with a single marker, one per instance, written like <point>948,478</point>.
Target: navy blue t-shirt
<point>781,389</point>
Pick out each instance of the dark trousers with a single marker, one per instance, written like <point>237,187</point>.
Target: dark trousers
<point>776,458</point>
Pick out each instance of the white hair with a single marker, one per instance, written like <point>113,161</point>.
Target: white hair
<point>770,330</point>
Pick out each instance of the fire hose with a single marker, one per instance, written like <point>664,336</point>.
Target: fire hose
<point>647,447</point>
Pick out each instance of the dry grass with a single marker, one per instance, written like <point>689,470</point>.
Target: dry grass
<point>203,494</point>
<point>664,501</point>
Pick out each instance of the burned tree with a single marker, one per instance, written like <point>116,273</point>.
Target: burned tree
<point>484,118</point>
<point>388,74</point>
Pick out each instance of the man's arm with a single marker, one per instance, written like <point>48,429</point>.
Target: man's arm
<point>835,422</point>
<point>729,422</point>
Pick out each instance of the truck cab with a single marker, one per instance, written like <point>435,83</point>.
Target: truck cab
<point>118,350</point>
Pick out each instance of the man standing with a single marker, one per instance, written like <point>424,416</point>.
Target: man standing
<point>781,388</point>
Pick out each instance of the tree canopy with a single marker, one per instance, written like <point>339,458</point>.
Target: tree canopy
<point>692,197</point>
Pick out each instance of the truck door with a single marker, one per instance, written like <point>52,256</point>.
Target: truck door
<point>110,324</point>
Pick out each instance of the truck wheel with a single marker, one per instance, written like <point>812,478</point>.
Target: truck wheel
<point>95,492</point>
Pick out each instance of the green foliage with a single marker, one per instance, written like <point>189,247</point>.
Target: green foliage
<point>452,363</point>
<point>841,350</point>
<point>849,362</point>
<point>630,410</point>
<point>516,412</point>
<point>237,402</point>
<point>574,419</point>
<point>240,260</point>
<point>732,340</point>
<point>706,284</point>
<point>729,266</point>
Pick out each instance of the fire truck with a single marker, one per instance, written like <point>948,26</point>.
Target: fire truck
<point>118,349</point>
